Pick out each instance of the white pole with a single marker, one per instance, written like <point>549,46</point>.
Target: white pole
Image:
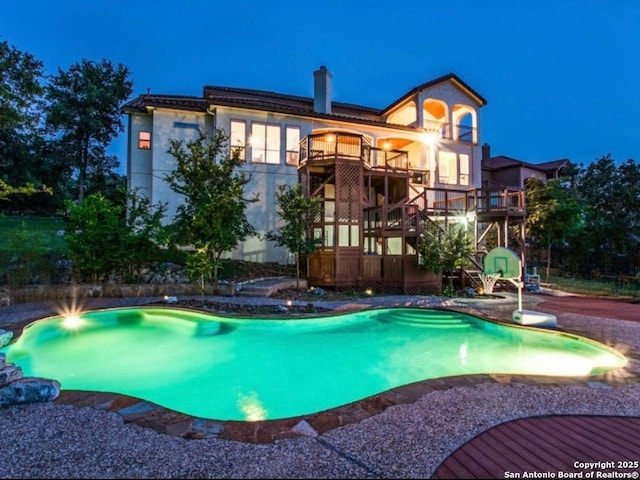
<point>519,296</point>
<point>518,283</point>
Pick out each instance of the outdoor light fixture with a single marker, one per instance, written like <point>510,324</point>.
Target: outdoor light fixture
<point>430,138</point>
<point>463,220</point>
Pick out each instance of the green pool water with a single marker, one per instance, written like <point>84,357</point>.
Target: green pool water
<point>255,369</point>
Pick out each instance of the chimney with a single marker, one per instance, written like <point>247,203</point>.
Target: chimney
<point>486,152</point>
<point>322,90</point>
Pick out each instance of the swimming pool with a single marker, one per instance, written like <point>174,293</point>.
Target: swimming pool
<point>229,368</point>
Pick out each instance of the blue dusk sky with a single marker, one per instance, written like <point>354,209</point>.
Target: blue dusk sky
<point>561,78</point>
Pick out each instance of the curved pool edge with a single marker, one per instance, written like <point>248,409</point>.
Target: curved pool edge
<point>166,421</point>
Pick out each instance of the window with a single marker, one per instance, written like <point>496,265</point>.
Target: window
<point>454,169</point>
<point>293,145</point>
<point>420,178</point>
<point>238,138</point>
<point>447,167</point>
<point>464,169</point>
<point>348,235</point>
<point>265,143</point>
<point>144,140</point>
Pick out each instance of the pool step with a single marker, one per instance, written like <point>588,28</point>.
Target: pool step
<point>424,319</point>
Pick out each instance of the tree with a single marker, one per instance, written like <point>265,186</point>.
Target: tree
<point>611,196</point>
<point>104,236</point>
<point>6,190</point>
<point>84,113</point>
<point>20,89</point>
<point>553,214</point>
<point>297,212</point>
<point>20,105</point>
<point>94,232</point>
<point>444,249</point>
<point>212,216</point>
<point>144,233</point>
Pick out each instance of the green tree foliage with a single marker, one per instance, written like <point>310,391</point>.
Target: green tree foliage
<point>105,237</point>
<point>84,114</point>
<point>144,234</point>
<point>589,219</point>
<point>610,193</point>
<point>200,267</point>
<point>554,214</point>
<point>21,90</point>
<point>297,212</point>
<point>444,249</point>
<point>94,232</point>
<point>6,190</point>
<point>212,215</point>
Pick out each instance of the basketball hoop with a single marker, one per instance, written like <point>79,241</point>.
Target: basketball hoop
<point>489,281</point>
<point>504,263</point>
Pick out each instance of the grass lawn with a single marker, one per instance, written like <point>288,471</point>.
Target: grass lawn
<point>593,287</point>
<point>43,229</point>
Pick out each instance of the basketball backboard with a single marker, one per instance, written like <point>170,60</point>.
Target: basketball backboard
<point>504,261</point>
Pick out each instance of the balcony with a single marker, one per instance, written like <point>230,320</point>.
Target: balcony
<point>326,148</point>
<point>485,202</point>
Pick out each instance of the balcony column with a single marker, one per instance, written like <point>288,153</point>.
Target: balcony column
<point>419,113</point>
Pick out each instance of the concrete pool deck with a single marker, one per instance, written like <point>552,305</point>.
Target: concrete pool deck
<point>614,394</point>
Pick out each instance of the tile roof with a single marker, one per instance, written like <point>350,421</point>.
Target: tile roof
<point>304,104</point>
<point>259,100</point>
<point>449,77</point>
<point>502,162</point>
<point>283,103</point>
<point>140,103</point>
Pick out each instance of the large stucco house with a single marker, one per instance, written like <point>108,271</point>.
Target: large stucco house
<point>381,173</point>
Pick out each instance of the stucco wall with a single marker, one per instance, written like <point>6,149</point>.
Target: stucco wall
<point>148,168</point>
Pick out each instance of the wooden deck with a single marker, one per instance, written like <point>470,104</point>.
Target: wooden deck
<point>536,445</point>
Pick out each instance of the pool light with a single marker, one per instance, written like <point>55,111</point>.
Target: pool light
<point>72,322</point>
<point>252,408</point>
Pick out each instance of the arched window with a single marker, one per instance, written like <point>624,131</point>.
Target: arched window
<point>464,124</point>
<point>435,117</point>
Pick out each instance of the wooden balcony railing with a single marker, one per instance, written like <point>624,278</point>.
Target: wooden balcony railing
<point>437,201</point>
<point>403,217</point>
<point>406,217</point>
<point>350,147</point>
<point>331,146</point>
<point>380,159</point>
<point>500,199</point>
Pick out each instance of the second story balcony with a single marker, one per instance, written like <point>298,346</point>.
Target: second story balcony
<point>445,131</point>
<point>327,148</point>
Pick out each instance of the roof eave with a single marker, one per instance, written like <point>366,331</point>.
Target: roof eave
<point>449,77</point>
